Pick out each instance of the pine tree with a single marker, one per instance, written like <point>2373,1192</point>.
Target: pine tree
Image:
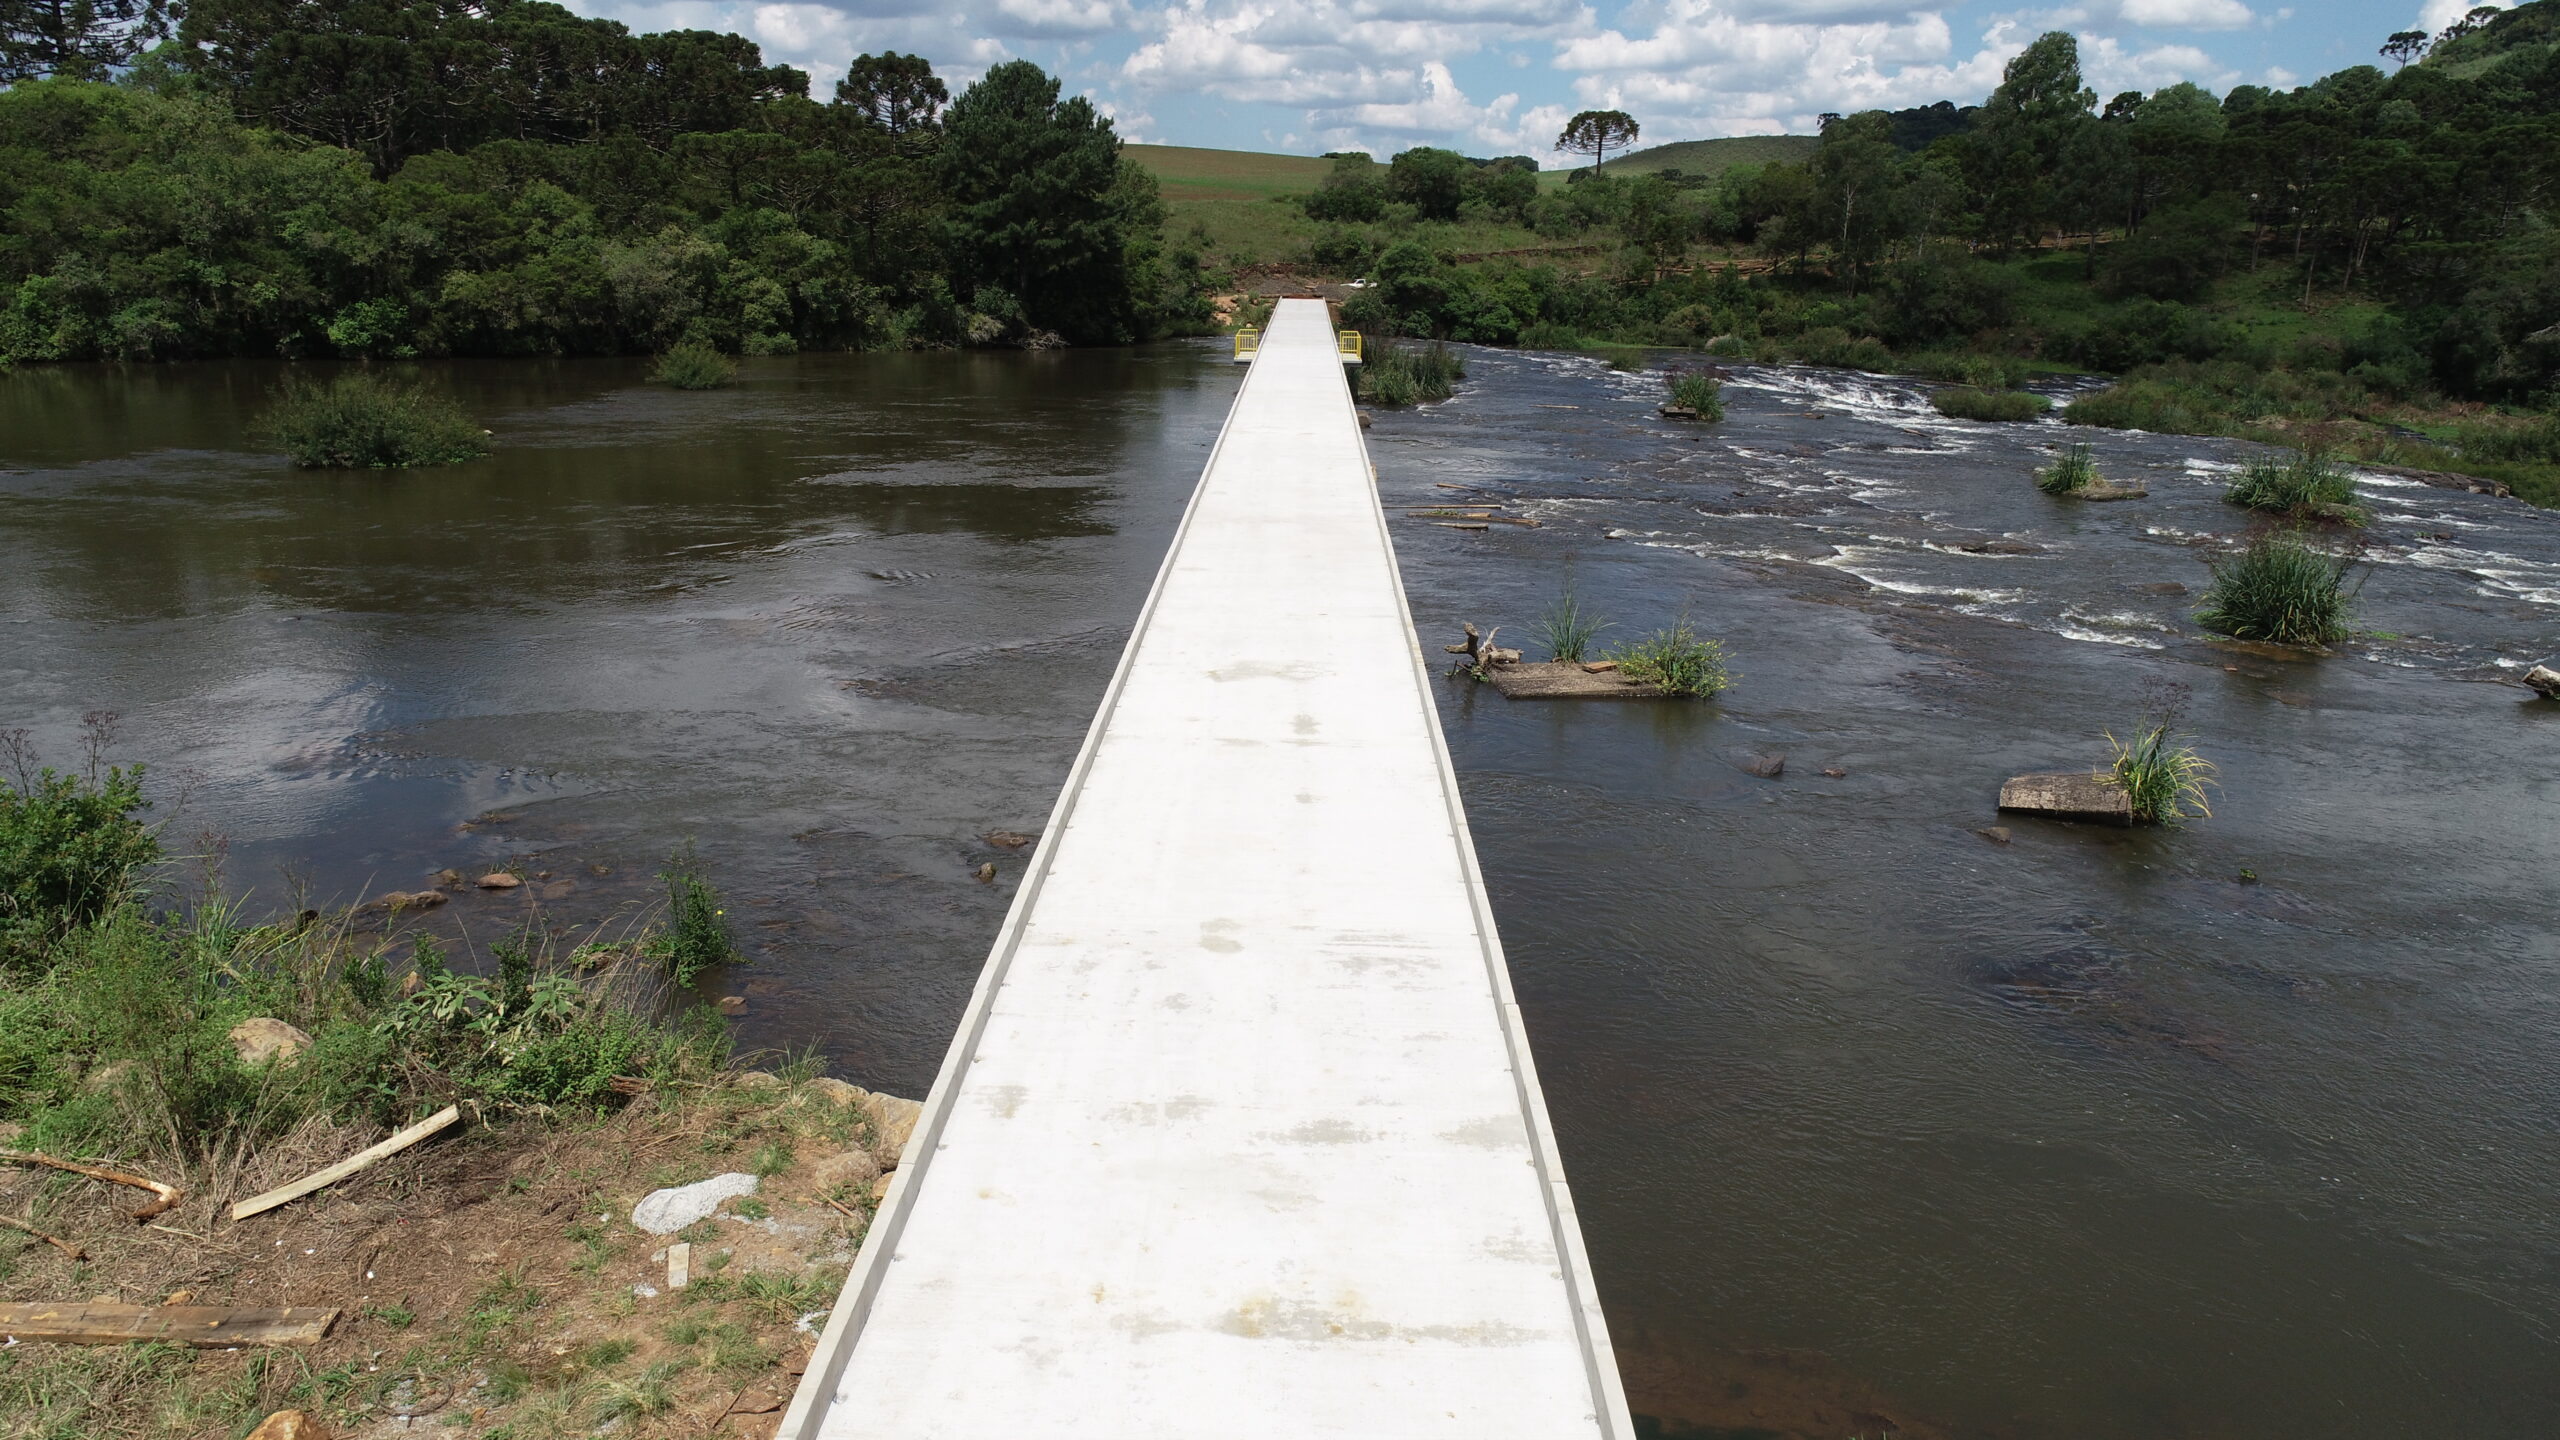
<point>75,39</point>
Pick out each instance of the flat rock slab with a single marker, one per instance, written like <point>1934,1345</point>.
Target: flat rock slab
<point>2075,795</point>
<point>667,1211</point>
<point>2109,490</point>
<point>1565,680</point>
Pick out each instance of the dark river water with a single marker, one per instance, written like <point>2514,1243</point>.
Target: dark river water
<point>1875,1123</point>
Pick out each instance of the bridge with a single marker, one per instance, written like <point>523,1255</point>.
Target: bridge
<point>1239,1137</point>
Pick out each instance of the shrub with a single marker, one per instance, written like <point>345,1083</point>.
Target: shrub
<point>2176,254</point>
<point>364,422</point>
<point>2306,486</point>
<point>1342,252</point>
<point>2073,472</point>
<point>1698,390</point>
<point>69,849</point>
<point>1966,403</point>
<point>2140,405</point>
<point>693,365</point>
<point>697,935</point>
<point>2164,779</point>
<point>1677,659</point>
<point>1548,335</point>
<point>2282,590</point>
<point>2537,442</point>
<point>1568,627</point>
<point>1394,374</point>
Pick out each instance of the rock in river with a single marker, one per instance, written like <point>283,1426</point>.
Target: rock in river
<point>2075,795</point>
<point>2545,681</point>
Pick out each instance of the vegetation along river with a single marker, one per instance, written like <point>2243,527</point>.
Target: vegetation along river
<point>1876,1123</point>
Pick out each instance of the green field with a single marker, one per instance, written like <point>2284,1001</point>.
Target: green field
<point>1706,157</point>
<point>1187,174</point>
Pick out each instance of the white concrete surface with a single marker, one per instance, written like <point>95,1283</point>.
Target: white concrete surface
<point>1239,1137</point>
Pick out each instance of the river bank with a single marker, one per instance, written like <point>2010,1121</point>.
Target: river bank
<point>492,1280</point>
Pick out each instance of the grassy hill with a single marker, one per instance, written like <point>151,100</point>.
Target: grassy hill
<point>1187,174</point>
<point>1707,157</point>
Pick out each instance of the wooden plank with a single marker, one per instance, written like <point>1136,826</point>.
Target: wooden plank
<point>203,1326</point>
<point>257,1204</point>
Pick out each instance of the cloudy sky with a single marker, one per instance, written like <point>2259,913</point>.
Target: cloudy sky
<point>1500,76</point>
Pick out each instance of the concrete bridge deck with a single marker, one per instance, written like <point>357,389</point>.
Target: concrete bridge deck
<point>1239,1137</point>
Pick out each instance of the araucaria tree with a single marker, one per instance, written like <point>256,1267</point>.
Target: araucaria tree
<point>1597,132</point>
<point>75,39</point>
<point>898,93</point>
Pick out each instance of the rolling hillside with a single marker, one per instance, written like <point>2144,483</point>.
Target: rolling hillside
<point>1706,157</point>
<point>1189,174</point>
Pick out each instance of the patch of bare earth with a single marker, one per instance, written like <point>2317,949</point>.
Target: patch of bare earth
<point>491,1281</point>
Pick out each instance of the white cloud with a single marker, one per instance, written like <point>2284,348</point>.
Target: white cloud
<point>2188,14</point>
<point>2440,13</point>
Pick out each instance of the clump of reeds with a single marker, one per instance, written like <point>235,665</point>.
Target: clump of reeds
<point>364,422</point>
<point>1569,627</point>
<point>694,365</point>
<point>697,934</point>
<point>2280,589</point>
<point>1963,402</point>
<point>2074,471</point>
<point>2161,775</point>
<point>1394,374</point>
<point>1677,659</point>
<point>1699,392</point>
<point>2305,486</point>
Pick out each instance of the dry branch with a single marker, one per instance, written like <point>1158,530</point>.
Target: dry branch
<point>169,1194</point>
<point>203,1326</point>
<point>65,1246</point>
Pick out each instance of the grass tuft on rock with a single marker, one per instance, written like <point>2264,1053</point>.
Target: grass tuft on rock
<point>2161,775</point>
<point>1569,626</point>
<point>1401,374</point>
<point>1677,659</point>
<point>694,365</point>
<point>365,422</point>
<point>2282,590</point>
<point>2307,485</point>
<point>1698,391</point>
<point>2008,406</point>
<point>2074,471</point>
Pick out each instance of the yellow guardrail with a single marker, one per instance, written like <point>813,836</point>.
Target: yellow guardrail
<point>1248,344</point>
<point>1348,342</point>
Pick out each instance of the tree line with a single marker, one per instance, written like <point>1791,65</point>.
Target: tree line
<point>2421,200</point>
<point>408,177</point>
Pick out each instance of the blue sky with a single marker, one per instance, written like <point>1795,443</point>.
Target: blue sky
<point>1500,76</point>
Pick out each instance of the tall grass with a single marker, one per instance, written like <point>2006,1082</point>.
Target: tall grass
<point>2280,589</point>
<point>697,935</point>
<point>1401,374</point>
<point>1698,390</point>
<point>2162,776</point>
<point>364,422</point>
<point>1568,626</point>
<point>694,365</point>
<point>2307,485</point>
<point>1677,659</point>
<point>2534,442</point>
<point>2074,471</point>
<point>1966,403</point>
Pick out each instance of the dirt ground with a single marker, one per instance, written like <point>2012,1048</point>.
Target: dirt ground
<point>491,1282</point>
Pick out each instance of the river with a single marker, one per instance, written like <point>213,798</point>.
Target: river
<point>1875,1122</point>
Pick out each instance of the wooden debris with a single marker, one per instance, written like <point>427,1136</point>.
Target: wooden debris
<point>169,1195</point>
<point>361,1160</point>
<point>65,1246</point>
<point>1598,667</point>
<point>203,1326</point>
<point>1463,525</point>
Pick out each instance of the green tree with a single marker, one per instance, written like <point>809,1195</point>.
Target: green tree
<point>1432,181</point>
<point>1350,193</point>
<point>898,93</point>
<point>79,39</point>
<point>1597,132</point>
<point>1031,181</point>
<point>2020,136</point>
<point>1856,172</point>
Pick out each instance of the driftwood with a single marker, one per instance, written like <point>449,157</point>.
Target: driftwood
<point>203,1326</point>
<point>1480,650</point>
<point>58,1243</point>
<point>362,1159</point>
<point>169,1194</point>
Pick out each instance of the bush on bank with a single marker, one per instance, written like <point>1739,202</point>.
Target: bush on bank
<point>117,1004</point>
